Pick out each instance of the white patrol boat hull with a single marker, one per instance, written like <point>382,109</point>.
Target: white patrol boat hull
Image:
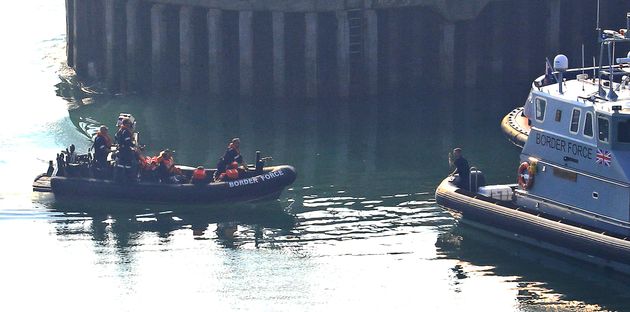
<point>506,219</point>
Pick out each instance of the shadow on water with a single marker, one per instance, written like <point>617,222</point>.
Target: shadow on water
<point>542,277</point>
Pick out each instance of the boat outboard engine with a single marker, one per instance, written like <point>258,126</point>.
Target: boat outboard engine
<point>122,116</point>
<point>477,179</point>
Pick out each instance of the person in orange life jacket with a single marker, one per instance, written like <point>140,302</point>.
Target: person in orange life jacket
<point>102,146</point>
<point>125,144</point>
<point>232,154</point>
<point>199,176</point>
<point>231,173</point>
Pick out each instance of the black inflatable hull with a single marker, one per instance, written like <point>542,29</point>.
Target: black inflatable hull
<point>502,219</point>
<point>266,185</point>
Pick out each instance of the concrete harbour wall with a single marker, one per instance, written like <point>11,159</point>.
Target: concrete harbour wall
<point>322,48</point>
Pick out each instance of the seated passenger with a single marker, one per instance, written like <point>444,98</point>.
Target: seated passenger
<point>166,169</point>
<point>199,176</point>
<point>462,169</point>
<point>230,174</point>
<point>71,157</point>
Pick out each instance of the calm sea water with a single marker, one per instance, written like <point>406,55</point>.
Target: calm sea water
<point>359,229</point>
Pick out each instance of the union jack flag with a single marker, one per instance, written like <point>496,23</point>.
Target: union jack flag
<point>603,157</point>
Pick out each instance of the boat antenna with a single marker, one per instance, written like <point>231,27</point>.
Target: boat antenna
<point>582,58</point>
<point>597,15</point>
<point>611,94</point>
<point>583,67</point>
<point>594,65</point>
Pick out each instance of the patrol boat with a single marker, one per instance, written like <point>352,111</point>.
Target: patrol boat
<point>573,190</point>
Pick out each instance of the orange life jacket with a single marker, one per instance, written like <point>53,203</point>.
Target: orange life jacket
<point>199,175</point>
<point>232,174</point>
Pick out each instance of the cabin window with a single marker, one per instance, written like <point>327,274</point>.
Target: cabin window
<point>588,125</point>
<point>603,129</point>
<point>575,121</point>
<point>623,131</point>
<point>558,115</point>
<point>541,105</point>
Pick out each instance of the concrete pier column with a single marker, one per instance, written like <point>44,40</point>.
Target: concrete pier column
<point>393,55</point>
<point>246,50</point>
<point>310,54</point>
<point>279,61</point>
<point>133,38</point>
<point>523,29</point>
<point>447,54</point>
<point>472,53</point>
<point>186,49</point>
<point>215,51</point>
<point>80,39</point>
<point>553,26</point>
<point>112,68</point>
<point>159,46</point>
<point>343,53</point>
<point>371,51</point>
<point>70,32</point>
<point>498,41</point>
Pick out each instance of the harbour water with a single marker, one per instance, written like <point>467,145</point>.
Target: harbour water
<point>359,229</point>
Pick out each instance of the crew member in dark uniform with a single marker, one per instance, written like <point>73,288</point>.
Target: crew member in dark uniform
<point>102,147</point>
<point>462,169</point>
<point>125,143</point>
<point>232,154</point>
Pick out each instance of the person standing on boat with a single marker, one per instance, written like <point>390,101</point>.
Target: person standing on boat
<point>232,154</point>
<point>102,147</point>
<point>462,169</point>
<point>124,139</point>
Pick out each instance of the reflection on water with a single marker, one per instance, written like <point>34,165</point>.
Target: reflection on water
<point>359,224</point>
<point>542,278</point>
<point>359,228</point>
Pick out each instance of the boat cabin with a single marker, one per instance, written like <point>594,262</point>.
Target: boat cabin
<point>577,153</point>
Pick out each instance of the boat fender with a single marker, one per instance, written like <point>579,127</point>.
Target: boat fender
<point>526,175</point>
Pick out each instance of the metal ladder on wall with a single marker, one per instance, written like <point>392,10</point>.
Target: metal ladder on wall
<point>355,21</point>
<point>356,29</point>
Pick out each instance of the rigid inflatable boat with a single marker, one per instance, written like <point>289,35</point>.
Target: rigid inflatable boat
<point>533,226</point>
<point>81,177</point>
<point>267,183</point>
